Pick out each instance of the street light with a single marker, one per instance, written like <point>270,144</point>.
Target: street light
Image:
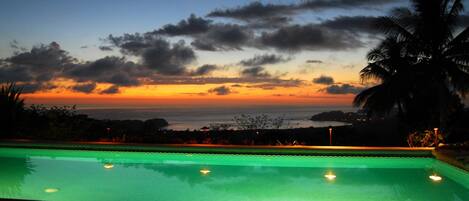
<point>330,135</point>
<point>435,142</point>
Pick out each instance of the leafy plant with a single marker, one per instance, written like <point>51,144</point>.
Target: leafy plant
<point>263,121</point>
<point>11,107</point>
<point>424,138</point>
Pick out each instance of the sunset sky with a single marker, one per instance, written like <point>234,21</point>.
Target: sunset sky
<point>180,52</point>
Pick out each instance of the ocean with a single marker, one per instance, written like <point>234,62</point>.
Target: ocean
<point>185,117</point>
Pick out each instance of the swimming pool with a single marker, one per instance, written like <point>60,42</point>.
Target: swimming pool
<point>57,174</point>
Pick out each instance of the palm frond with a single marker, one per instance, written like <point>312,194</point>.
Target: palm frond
<point>454,12</point>
<point>373,71</point>
<point>462,37</point>
<point>392,27</point>
<point>376,99</point>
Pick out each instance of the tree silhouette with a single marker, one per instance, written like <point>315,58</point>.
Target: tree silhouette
<point>422,66</point>
<point>11,107</point>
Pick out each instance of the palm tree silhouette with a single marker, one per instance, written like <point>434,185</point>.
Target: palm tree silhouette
<point>391,66</point>
<point>422,65</point>
<point>11,107</point>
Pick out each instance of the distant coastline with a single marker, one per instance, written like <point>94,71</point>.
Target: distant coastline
<point>340,116</point>
<point>181,118</point>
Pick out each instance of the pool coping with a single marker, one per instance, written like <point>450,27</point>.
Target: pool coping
<point>227,149</point>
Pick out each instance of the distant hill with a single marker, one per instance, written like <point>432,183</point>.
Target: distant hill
<point>349,117</point>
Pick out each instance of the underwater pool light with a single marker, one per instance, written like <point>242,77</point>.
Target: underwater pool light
<point>330,176</point>
<point>51,190</point>
<point>435,177</point>
<point>204,171</point>
<point>108,165</point>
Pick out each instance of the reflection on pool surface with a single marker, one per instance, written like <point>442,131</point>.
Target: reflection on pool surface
<point>40,174</point>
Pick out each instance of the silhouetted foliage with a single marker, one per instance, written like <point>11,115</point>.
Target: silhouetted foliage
<point>249,122</point>
<point>65,123</point>
<point>11,108</point>
<point>422,65</point>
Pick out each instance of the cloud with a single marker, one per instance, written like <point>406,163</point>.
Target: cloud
<point>259,60</point>
<point>16,46</point>
<point>223,37</point>
<point>342,89</point>
<point>309,37</point>
<point>275,84</point>
<point>105,48</point>
<point>205,35</point>
<point>131,44</point>
<point>123,79</point>
<point>84,88</point>
<point>41,59</point>
<point>257,12</point>
<point>323,79</point>
<point>155,52</point>
<point>117,71</point>
<point>312,61</point>
<point>110,69</point>
<point>166,59</point>
<point>31,87</point>
<point>340,33</point>
<point>190,26</point>
<point>318,5</point>
<point>35,67</point>
<point>183,80</point>
<point>221,91</point>
<point>277,14</point>
<point>111,90</point>
<point>204,70</point>
<point>355,24</point>
<point>15,74</point>
<point>255,72</point>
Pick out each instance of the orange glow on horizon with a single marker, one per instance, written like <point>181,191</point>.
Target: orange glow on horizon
<point>188,95</point>
<point>320,99</point>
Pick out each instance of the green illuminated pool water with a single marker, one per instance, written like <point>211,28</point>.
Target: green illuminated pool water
<point>41,174</point>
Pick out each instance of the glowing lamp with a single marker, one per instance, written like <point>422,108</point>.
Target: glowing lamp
<point>204,171</point>
<point>435,177</point>
<point>108,165</point>
<point>330,176</point>
<point>51,190</point>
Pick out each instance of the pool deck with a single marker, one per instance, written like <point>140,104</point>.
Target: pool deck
<point>458,158</point>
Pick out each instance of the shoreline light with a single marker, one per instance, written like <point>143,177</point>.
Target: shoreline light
<point>435,177</point>
<point>51,190</point>
<point>205,171</point>
<point>330,176</point>
<point>108,165</point>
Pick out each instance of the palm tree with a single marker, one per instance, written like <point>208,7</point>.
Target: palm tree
<point>428,74</point>
<point>11,107</point>
<point>390,65</point>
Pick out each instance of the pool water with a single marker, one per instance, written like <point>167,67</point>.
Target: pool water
<point>41,174</point>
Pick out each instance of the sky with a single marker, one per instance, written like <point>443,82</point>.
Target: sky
<point>188,52</point>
